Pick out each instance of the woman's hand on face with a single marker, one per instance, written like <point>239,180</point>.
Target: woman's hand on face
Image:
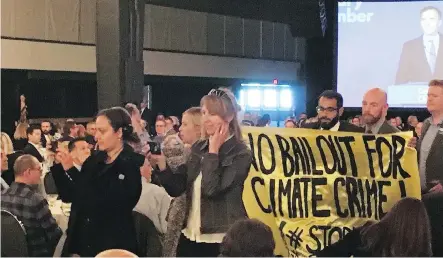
<point>219,137</point>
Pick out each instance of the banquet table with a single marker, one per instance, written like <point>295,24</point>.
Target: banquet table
<point>60,211</point>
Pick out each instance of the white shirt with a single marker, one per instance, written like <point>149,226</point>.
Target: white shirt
<point>154,203</point>
<point>427,43</point>
<point>4,184</point>
<point>192,230</point>
<point>334,128</point>
<point>78,167</point>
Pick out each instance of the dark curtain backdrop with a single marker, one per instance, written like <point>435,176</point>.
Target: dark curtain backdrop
<point>173,95</point>
<point>48,94</point>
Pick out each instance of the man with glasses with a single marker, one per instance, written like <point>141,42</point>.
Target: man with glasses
<point>329,110</point>
<point>24,201</point>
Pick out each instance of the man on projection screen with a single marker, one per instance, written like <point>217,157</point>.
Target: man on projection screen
<point>421,59</point>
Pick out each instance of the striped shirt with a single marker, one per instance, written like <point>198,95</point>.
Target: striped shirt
<point>31,208</point>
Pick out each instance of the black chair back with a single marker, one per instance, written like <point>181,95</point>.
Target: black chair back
<point>14,243</point>
<point>434,207</point>
<point>50,187</point>
<point>148,239</point>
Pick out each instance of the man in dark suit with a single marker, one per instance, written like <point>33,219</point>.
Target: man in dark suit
<point>421,59</point>
<point>34,136</point>
<point>146,114</point>
<point>46,133</point>
<point>374,111</point>
<point>330,109</point>
<point>430,145</point>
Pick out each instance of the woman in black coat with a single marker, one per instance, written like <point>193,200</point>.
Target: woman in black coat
<point>106,190</point>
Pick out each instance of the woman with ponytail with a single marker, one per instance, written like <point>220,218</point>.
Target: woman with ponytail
<point>106,190</point>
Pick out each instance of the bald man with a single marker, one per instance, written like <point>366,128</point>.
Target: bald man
<point>374,111</point>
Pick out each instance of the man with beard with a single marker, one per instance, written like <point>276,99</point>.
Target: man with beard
<point>46,128</point>
<point>330,109</point>
<point>374,111</point>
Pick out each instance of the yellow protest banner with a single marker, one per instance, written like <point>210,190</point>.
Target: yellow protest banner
<point>312,187</point>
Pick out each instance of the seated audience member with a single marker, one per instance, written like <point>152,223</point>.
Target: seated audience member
<point>81,131</point>
<point>302,119</point>
<point>393,122</point>
<point>418,129</point>
<point>70,131</point>
<point>412,123</point>
<point>116,253</point>
<point>402,232</point>
<point>160,130</point>
<point>248,238</point>
<point>247,119</point>
<point>79,151</point>
<point>8,150</point>
<point>91,128</point>
<point>356,121</point>
<point>169,124</point>
<point>4,164</point>
<point>289,123</point>
<point>33,147</point>
<point>175,123</point>
<point>154,202</point>
<point>30,207</point>
<point>399,123</point>
<point>264,121</point>
<point>20,136</point>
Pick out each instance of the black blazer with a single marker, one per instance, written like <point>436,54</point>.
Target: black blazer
<point>413,65</point>
<point>20,144</point>
<point>344,127</point>
<point>434,206</point>
<point>434,162</point>
<point>43,140</point>
<point>64,181</point>
<point>103,198</point>
<point>31,150</point>
<point>386,128</point>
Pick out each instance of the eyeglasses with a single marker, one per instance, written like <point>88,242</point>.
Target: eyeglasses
<point>216,92</point>
<point>323,109</point>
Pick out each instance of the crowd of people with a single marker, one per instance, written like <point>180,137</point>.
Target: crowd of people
<point>186,177</point>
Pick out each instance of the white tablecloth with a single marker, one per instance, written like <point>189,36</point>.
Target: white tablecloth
<point>60,211</point>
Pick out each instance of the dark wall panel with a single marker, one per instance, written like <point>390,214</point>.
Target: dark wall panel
<point>215,34</point>
<point>252,38</point>
<point>234,36</point>
<point>289,45</point>
<point>267,39</point>
<point>279,41</point>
